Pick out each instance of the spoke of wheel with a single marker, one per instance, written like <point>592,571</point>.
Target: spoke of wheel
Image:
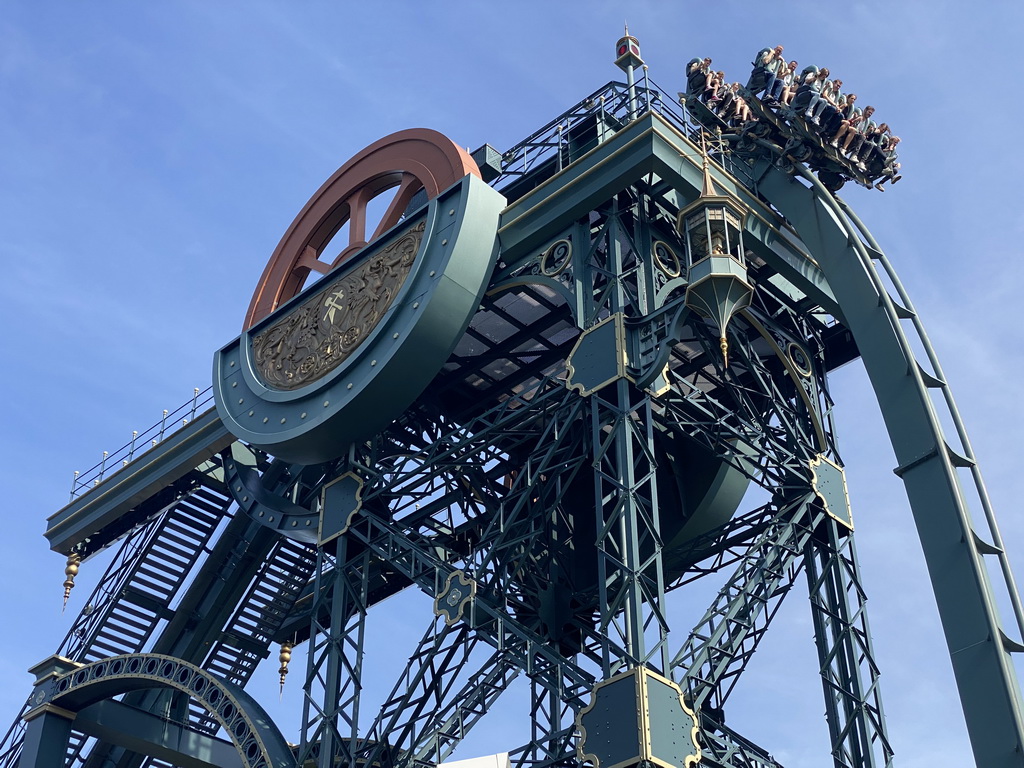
<point>407,188</point>
<point>357,216</point>
<point>309,260</point>
<point>356,224</point>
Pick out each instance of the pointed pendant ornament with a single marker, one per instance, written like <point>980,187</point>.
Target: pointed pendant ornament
<point>70,571</point>
<point>284,658</point>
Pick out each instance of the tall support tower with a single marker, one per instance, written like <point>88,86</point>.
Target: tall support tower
<point>551,388</point>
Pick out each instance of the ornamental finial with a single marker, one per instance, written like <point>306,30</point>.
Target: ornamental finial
<point>708,188</point>
<point>284,658</point>
<point>70,571</point>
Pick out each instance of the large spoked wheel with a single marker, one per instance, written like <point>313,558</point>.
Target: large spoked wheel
<point>414,161</point>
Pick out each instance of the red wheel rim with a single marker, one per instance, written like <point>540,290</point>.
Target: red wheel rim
<point>411,160</point>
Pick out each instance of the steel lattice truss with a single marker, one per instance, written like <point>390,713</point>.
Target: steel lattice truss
<point>550,523</point>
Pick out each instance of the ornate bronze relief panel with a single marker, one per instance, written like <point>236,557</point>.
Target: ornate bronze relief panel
<point>318,335</point>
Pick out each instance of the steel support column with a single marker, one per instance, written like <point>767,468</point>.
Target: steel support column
<point>717,650</point>
<point>331,693</point>
<point>46,739</point>
<point>849,676</point>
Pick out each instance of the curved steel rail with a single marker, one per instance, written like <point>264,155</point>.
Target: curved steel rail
<point>979,646</point>
<point>954,414</point>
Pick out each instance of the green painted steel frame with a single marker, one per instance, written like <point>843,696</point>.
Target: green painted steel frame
<point>334,663</point>
<point>99,515</point>
<point>622,611</point>
<point>822,254</point>
<point>256,738</point>
<point>817,250</point>
<point>979,646</point>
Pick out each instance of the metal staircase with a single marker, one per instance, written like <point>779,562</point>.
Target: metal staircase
<point>149,576</point>
<point>260,614</point>
<point>135,611</point>
<point>245,641</point>
<point>136,592</point>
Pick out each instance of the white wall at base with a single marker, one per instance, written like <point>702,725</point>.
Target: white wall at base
<point>499,760</point>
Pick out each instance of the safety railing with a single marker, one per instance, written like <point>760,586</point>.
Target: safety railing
<point>590,121</point>
<point>141,442</point>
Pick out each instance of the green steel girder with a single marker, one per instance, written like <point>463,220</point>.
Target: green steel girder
<point>552,732</point>
<point>631,579</point>
<point>146,734</point>
<point>63,689</point>
<point>423,690</point>
<point>979,650</point>
<point>724,748</point>
<point>419,562</point>
<point>99,514</point>
<point>465,708</point>
<point>652,145</point>
<point>467,451</point>
<point>850,679</point>
<point>334,662</point>
<point>722,641</point>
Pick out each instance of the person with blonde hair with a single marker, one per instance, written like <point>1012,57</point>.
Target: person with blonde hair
<point>740,110</point>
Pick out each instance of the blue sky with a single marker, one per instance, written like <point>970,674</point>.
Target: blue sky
<point>152,154</point>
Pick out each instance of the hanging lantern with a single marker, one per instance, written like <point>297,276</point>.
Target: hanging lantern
<point>712,231</point>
